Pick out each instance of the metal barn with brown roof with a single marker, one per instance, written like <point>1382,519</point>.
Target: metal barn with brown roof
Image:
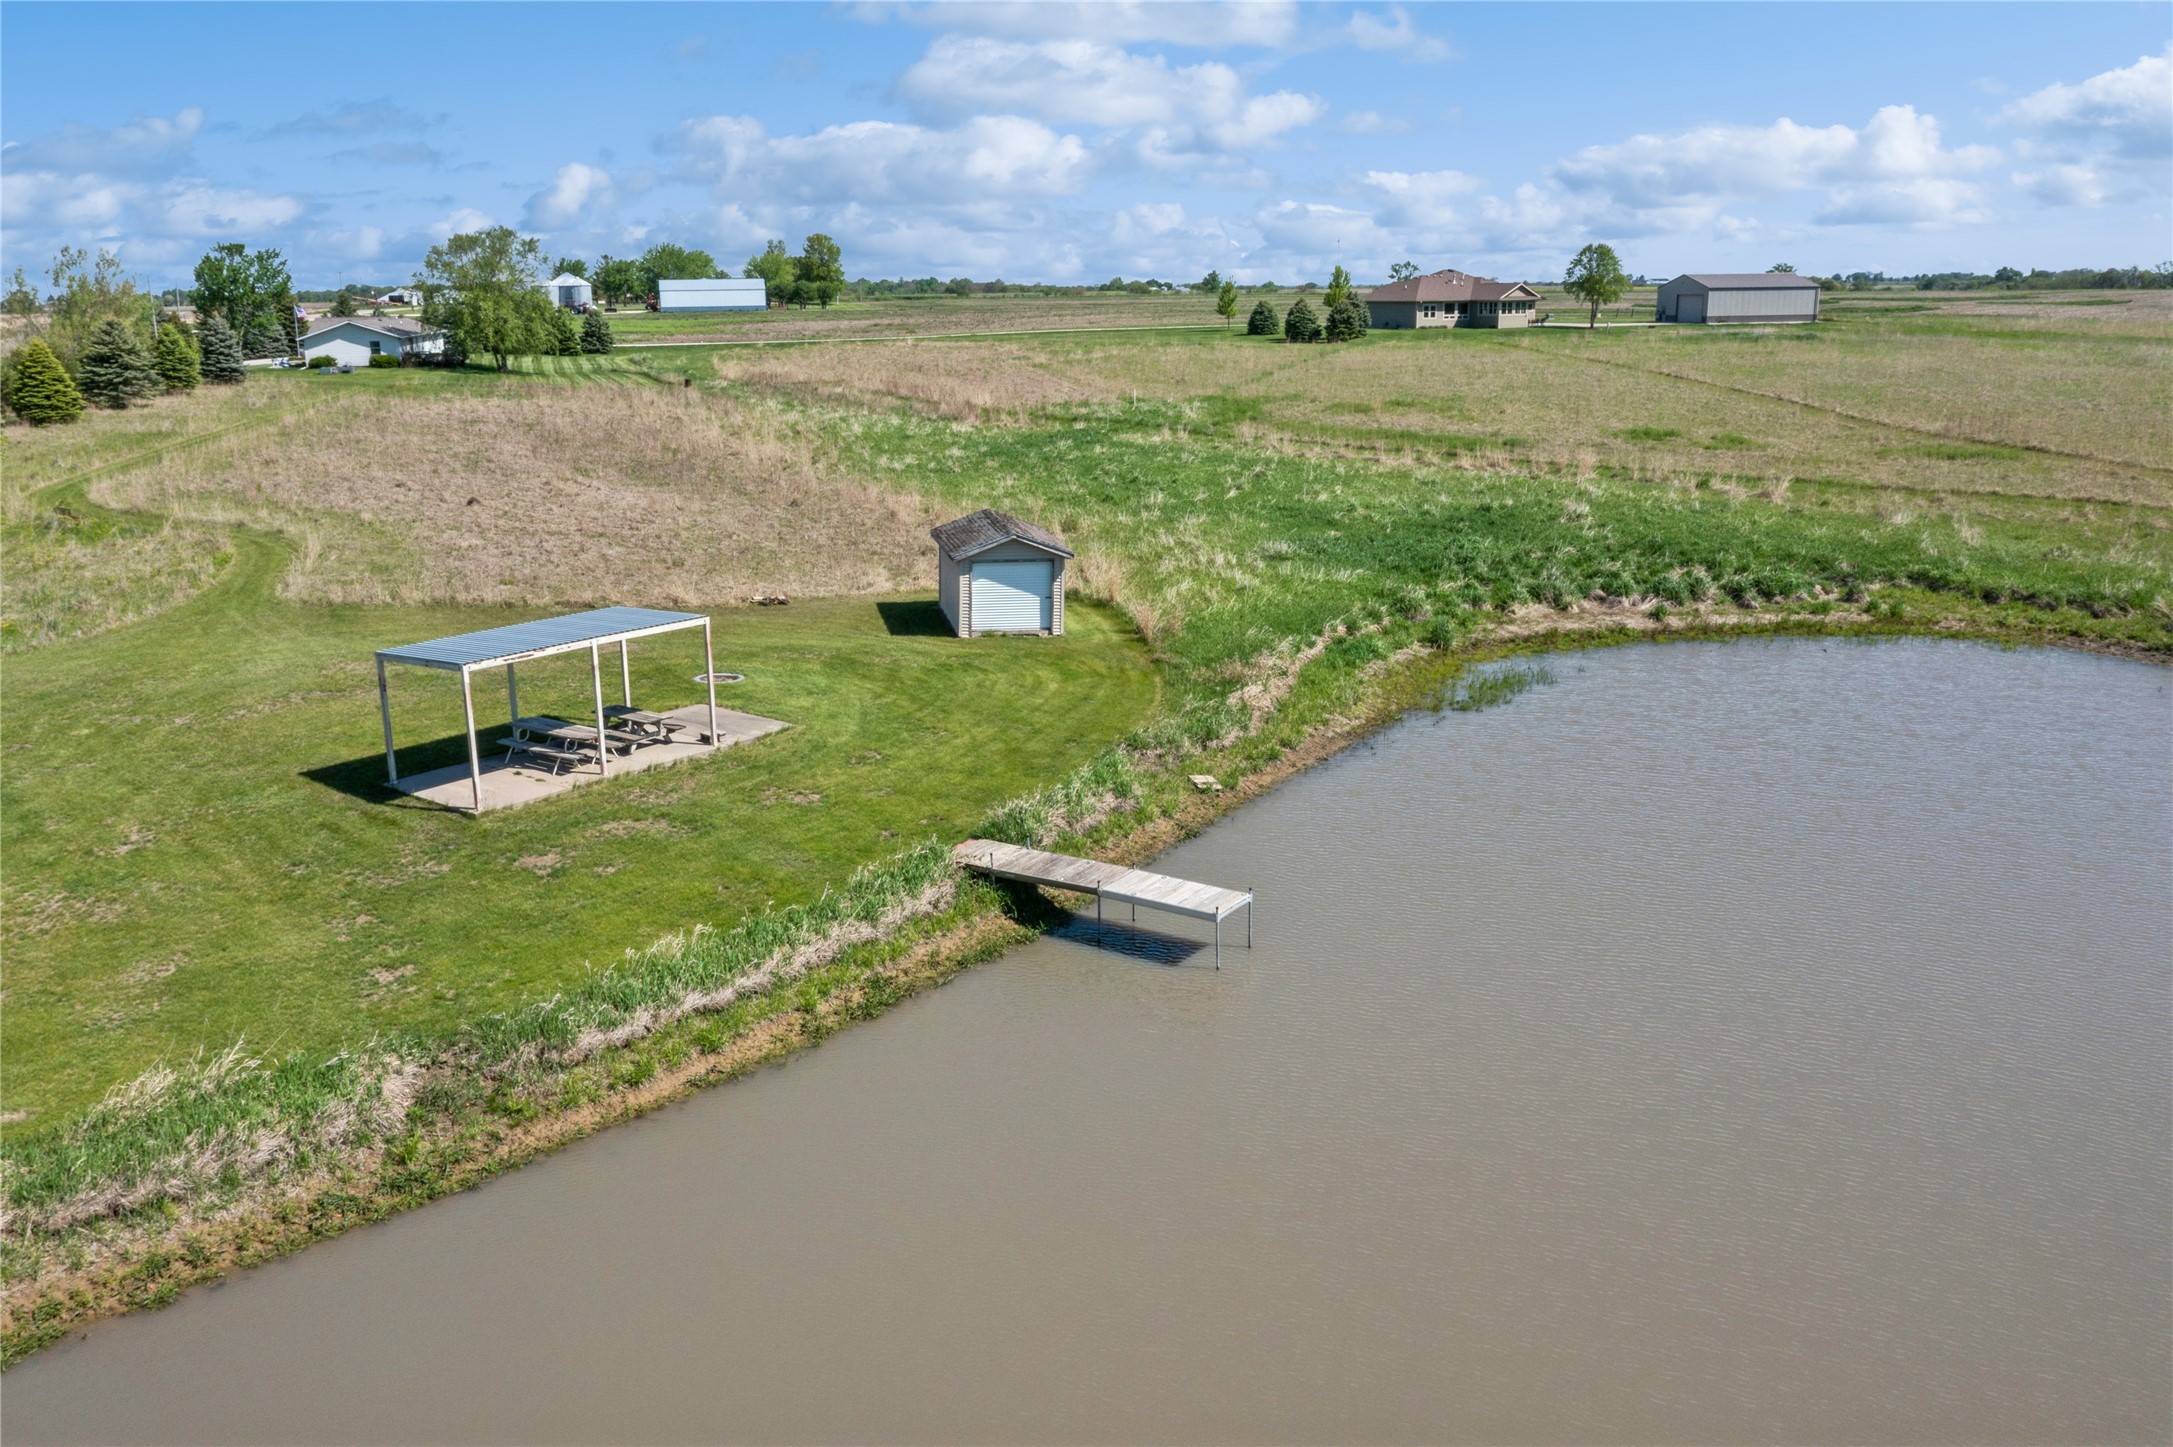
<point>1000,574</point>
<point>1449,299</point>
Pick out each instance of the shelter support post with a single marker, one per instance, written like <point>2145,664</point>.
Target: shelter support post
<point>709,671</point>
<point>513,696</point>
<point>384,709</point>
<point>596,676</point>
<point>475,757</point>
<point>626,673</point>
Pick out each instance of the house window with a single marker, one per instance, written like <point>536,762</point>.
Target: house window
<point>376,348</point>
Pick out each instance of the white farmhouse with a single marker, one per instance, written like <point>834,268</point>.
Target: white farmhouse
<point>352,341</point>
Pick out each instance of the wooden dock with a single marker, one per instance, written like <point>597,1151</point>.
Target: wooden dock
<point>1115,883</point>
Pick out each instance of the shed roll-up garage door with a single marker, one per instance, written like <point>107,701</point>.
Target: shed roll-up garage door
<point>1690,307</point>
<point>1011,597</point>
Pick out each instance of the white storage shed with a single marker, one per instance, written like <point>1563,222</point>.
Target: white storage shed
<point>568,290</point>
<point>1756,296</point>
<point>1001,575</point>
<point>712,294</point>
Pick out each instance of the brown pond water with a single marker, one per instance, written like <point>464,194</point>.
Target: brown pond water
<point>1760,1041</point>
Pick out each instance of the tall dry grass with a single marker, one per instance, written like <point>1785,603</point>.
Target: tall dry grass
<point>954,379</point>
<point>548,494</point>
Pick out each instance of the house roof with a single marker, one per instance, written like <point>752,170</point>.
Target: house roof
<point>1748,280</point>
<point>980,531</point>
<point>390,326</point>
<point>567,278</point>
<point>543,635</point>
<point>1450,286</point>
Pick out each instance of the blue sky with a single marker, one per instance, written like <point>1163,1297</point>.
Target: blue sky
<point>1073,142</point>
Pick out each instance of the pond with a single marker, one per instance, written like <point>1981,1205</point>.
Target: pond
<point>1752,1041</point>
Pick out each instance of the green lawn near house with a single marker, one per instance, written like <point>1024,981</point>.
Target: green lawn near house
<point>201,847</point>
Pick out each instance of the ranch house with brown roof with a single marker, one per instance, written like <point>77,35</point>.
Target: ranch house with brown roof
<point>1450,299</point>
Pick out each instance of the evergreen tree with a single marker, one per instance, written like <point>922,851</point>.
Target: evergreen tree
<point>115,369</point>
<point>343,305</point>
<point>38,389</point>
<point>564,338</point>
<point>1263,322</point>
<point>174,355</point>
<point>1303,323</point>
<point>595,333</point>
<point>221,353</point>
<point>1347,320</point>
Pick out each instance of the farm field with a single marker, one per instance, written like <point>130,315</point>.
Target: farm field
<point>908,316</point>
<point>1271,538</point>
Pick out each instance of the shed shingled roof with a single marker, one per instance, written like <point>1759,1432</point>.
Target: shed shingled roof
<point>390,326</point>
<point>978,532</point>
<point>1448,286</point>
<point>1748,280</point>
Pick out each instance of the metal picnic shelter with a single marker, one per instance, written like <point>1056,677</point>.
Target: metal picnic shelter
<point>514,643</point>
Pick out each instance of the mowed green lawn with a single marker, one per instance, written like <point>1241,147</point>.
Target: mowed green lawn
<point>200,847</point>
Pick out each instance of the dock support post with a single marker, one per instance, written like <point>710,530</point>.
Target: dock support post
<point>1218,941</point>
<point>1097,919</point>
<point>1248,916</point>
<point>384,707</point>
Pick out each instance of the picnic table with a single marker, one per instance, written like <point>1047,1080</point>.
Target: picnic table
<point>650,727</point>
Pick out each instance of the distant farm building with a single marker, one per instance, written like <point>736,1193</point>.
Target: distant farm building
<point>352,341</point>
<point>399,296</point>
<point>1001,575</point>
<point>712,294</point>
<point>568,290</point>
<point>1756,296</point>
<point>1450,299</point>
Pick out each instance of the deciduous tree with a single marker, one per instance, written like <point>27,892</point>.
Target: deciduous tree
<point>570,266</point>
<point>668,262</point>
<point>38,388</point>
<point>1226,300</point>
<point>252,292</point>
<point>481,288</point>
<point>1339,289</point>
<point>1403,271</point>
<point>1595,277</point>
<point>773,267</point>
<point>617,278</point>
<point>820,270</point>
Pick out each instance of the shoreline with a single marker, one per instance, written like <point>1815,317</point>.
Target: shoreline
<point>146,1256</point>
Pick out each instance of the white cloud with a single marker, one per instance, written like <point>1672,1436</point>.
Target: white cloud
<point>2065,184</point>
<point>1395,32</point>
<point>577,188</point>
<point>462,219</point>
<point>1420,198</point>
<point>2130,108</point>
<point>204,210</point>
<point>356,118</point>
<point>988,161</point>
<point>1085,82</point>
<point>1174,22</point>
<point>147,145</point>
<point>1895,168</point>
<point>1370,123</point>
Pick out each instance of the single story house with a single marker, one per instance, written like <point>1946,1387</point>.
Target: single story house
<point>568,290</point>
<point>712,294</point>
<point>1000,575</point>
<point>1449,299</point>
<point>1756,296</point>
<point>354,340</point>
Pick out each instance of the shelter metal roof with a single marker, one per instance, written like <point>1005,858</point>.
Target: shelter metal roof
<point>1748,280</point>
<point>544,635</point>
<point>977,532</point>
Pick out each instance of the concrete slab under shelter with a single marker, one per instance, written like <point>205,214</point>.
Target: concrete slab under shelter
<point>510,784</point>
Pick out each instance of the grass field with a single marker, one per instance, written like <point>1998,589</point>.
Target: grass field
<point>198,848</point>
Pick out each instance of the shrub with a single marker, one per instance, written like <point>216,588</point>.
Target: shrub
<point>174,355</point>
<point>595,333</point>
<point>562,337</point>
<point>1347,320</point>
<point>323,360</point>
<point>1263,322</point>
<point>115,369</point>
<point>1303,323</point>
<point>383,360</point>
<point>38,388</point>
<point>220,353</point>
